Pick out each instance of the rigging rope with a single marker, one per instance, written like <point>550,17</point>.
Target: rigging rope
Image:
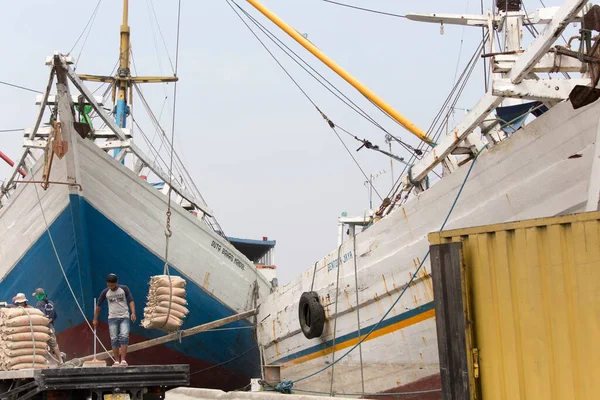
<point>162,37</point>
<point>341,96</point>
<point>337,294</point>
<point>92,20</point>
<point>21,87</point>
<point>304,64</point>
<point>86,26</point>
<point>449,103</point>
<point>410,281</point>
<point>168,232</point>
<point>362,374</point>
<point>39,201</point>
<point>299,87</point>
<point>365,9</point>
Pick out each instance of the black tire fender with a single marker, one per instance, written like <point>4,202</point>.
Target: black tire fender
<point>311,315</point>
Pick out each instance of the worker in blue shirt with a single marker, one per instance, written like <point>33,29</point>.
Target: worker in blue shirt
<point>47,307</point>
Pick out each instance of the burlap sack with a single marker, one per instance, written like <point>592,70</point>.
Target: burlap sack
<point>157,321</point>
<point>23,345</point>
<point>163,281</point>
<point>24,352</point>
<point>179,292</point>
<point>23,329</point>
<point>27,337</point>
<point>8,313</point>
<point>165,298</point>
<point>157,310</point>
<point>174,299</point>
<point>28,366</point>
<point>174,306</point>
<point>26,321</point>
<point>29,359</point>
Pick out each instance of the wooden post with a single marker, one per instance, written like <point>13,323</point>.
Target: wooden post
<point>175,336</point>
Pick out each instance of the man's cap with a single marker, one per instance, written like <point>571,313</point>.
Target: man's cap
<point>38,291</point>
<point>20,298</point>
<point>112,278</point>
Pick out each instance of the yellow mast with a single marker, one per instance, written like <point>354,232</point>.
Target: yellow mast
<point>124,71</point>
<point>415,130</point>
<point>123,80</point>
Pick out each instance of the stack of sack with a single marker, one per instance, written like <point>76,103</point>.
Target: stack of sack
<point>24,336</point>
<point>166,298</point>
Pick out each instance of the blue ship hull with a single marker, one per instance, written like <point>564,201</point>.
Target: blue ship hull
<point>90,246</point>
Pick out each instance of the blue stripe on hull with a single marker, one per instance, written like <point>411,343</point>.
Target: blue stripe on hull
<point>90,246</point>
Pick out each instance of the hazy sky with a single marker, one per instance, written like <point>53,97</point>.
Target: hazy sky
<point>264,159</point>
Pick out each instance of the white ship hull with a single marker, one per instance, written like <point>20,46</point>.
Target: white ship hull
<point>116,223</point>
<point>542,170</point>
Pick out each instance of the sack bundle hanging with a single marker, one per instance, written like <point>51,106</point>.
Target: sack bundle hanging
<point>165,309</point>
<point>24,336</point>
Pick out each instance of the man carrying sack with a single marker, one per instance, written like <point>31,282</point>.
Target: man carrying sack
<point>118,297</point>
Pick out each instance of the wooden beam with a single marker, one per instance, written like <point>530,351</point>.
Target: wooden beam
<point>19,163</point>
<point>175,336</point>
<point>543,89</point>
<point>550,62</point>
<point>136,150</point>
<point>489,102</point>
<point>98,133</point>
<point>153,79</point>
<point>51,100</point>
<point>445,146</point>
<point>475,20</point>
<point>114,144</point>
<point>96,78</point>
<point>540,46</point>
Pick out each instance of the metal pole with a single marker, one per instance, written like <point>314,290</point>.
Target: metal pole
<point>402,120</point>
<point>95,336</point>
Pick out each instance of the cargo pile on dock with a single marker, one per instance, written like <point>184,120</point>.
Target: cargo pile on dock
<point>24,336</point>
<point>165,309</point>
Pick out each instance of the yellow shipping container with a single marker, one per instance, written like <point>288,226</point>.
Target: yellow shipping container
<point>529,297</point>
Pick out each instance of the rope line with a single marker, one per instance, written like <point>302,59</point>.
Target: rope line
<point>162,37</point>
<point>406,286</point>
<point>396,394</point>
<point>449,104</point>
<point>225,362</point>
<point>355,161</point>
<point>362,375</point>
<point>298,86</point>
<point>320,79</point>
<point>337,294</point>
<point>365,9</point>
<point>63,269</point>
<point>93,19</point>
<point>86,26</point>
<point>21,87</point>
<point>168,232</point>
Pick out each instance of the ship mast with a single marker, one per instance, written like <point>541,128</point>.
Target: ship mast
<point>124,72</point>
<point>123,80</point>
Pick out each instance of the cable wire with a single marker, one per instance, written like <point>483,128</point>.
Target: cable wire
<point>225,362</point>
<point>333,89</point>
<point>63,269</point>
<point>93,19</point>
<point>86,26</point>
<point>21,87</point>
<point>161,36</point>
<point>365,9</point>
<point>299,87</point>
<point>407,285</point>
